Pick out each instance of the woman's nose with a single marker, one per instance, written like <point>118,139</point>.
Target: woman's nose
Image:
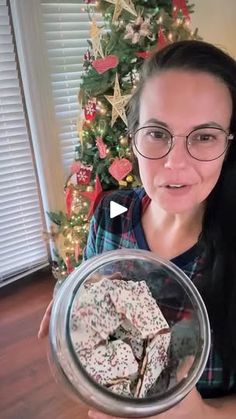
<point>178,156</point>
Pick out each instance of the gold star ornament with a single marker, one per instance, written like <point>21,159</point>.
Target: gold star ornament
<point>120,5</point>
<point>118,103</point>
<point>95,34</point>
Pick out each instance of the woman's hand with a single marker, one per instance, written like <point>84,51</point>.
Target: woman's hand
<point>44,325</point>
<point>192,407</point>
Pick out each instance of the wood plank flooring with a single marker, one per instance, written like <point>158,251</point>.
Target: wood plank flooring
<point>27,388</point>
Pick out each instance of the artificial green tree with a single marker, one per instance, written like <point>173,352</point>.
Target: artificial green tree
<point>131,31</point>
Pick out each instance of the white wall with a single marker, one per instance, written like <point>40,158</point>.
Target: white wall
<point>216,20</point>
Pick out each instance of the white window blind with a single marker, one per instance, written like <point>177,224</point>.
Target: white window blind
<point>22,247</point>
<point>67,29</point>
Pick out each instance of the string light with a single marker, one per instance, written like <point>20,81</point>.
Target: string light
<point>101,132</point>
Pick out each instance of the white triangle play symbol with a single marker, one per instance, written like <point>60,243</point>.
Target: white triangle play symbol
<point>116,209</point>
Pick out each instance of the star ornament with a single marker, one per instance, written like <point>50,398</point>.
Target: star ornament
<point>118,103</point>
<point>94,196</point>
<point>95,34</point>
<point>120,5</point>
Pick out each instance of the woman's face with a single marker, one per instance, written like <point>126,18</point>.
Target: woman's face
<point>180,101</point>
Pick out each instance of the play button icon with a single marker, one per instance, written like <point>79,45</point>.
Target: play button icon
<point>119,212</point>
<point>116,209</point>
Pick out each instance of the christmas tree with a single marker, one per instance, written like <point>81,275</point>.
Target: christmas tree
<point>131,31</point>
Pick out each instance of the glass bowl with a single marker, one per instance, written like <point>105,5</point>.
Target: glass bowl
<point>169,352</point>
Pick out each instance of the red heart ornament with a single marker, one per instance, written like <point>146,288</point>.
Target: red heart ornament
<point>120,168</point>
<point>104,64</point>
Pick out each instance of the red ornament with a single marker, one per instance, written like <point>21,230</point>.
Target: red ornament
<point>104,64</point>
<point>94,196</point>
<point>87,55</point>
<point>102,149</point>
<point>69,200</point>
<point>69,266</point>
<point>84,174</point>
<point>162,41</point>
<point>180,5</point>
<point>90,110</point>
<point>75,167</point>
<point>144,54</point>
<point>120,168</point>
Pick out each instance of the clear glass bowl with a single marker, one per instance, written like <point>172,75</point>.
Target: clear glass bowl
<point>183,309</point>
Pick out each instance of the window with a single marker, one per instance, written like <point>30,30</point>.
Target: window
<point>22,247</point>
<point>51,39</point>
<point>67,29</point>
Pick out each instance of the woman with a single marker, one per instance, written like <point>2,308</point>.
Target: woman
<point>182,120</point>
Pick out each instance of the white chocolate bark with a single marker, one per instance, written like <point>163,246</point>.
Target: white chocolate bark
<point>120,335</point>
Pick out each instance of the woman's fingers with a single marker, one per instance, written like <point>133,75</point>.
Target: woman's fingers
<point>44,325</point>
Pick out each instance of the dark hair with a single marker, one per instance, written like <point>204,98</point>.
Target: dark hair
<point>218,237</point>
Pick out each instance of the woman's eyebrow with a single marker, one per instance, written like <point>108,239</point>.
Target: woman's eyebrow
<point>156,122</point>
<point>209,124</point>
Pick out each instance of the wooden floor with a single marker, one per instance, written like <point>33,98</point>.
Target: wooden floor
<point>27,389</point>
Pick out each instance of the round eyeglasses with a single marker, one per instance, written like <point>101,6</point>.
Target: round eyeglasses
<point>203,144</point>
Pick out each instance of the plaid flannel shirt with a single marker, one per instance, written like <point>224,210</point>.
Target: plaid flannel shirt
<point>125,231</point>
